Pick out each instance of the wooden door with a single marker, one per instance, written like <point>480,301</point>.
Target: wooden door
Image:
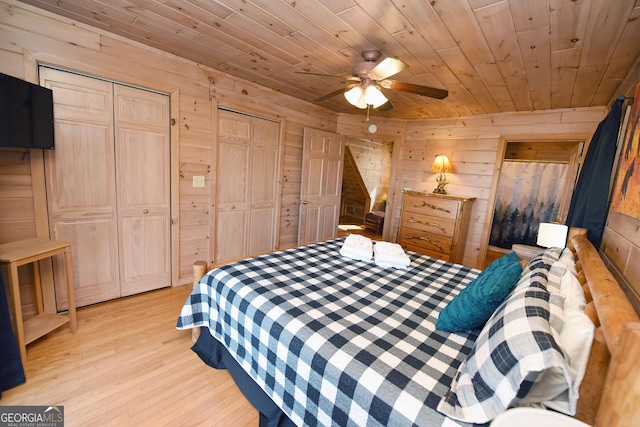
<point>263,188</point>
<point>80,176</point>
<point>108,186</point>
<point>142,188</point>
<point>234,138</point>
<point>322,167</point>
<point>247,184</point>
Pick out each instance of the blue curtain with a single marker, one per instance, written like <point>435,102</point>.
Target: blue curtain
<point>588,207</point>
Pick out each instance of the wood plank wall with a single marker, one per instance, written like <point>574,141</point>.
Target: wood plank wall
<point>17,214</point>
<point>31,35</point>
<point>357,126</point>
<point>373,157</point>
<point>354,199</point>
<point>621,238</point>
<point>621,248</point>
<point>552,151</point>
<point>475,146</point>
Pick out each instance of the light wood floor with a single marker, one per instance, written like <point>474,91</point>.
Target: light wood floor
<point>128,366</point>
<point>362,230</point>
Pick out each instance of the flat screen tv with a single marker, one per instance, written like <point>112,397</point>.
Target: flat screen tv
<point>26,114</point>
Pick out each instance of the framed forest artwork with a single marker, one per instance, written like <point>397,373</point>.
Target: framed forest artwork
<point>626,194</point>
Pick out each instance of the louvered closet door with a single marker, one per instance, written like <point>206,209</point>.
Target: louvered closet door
<point>246,186</point>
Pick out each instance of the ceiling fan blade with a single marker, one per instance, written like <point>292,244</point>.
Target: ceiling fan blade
<point>387,106</point>
<point>342,76</point>
<point>334,93</point>
<point>387,68</point>
<point>417,89</point>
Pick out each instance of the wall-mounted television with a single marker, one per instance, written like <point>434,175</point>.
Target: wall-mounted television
<point>26,114</point>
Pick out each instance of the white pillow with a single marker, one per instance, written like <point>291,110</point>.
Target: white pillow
<point>576,338</point>
<point>571,289</point>
<point>569,260</point>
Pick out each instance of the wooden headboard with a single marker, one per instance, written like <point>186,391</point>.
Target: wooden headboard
<point>610,391</point>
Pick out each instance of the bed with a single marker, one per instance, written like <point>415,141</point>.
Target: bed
<point>313,338</point>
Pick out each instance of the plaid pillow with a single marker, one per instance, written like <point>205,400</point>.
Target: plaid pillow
<point>515,347</point>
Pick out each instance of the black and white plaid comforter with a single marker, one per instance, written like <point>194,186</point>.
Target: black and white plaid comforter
<point>335,341</point>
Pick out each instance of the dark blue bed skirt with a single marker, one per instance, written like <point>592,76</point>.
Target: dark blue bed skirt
<point>11,369</point>
<point>214,354</point>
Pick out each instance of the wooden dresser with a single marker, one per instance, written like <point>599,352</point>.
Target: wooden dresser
<point>435,225</point>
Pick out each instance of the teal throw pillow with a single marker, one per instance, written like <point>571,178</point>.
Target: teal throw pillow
<point>473,306</point>
<point>506,259</point>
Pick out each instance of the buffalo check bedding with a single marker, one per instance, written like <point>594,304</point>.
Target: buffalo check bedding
<point>334,341</point>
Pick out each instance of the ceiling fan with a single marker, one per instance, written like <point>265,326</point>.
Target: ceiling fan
<point>370,76</point>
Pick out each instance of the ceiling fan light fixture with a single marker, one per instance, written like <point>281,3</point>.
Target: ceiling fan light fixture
<point>374,96</point>
<point>361,97</point>
<point>372,73</point>
<point>356,97</point>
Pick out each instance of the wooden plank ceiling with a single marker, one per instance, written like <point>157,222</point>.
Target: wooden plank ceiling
<point>492,56</point>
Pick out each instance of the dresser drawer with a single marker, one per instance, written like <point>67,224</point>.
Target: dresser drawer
<point>427,252</point>
<point>431,224</point>
<point>425,241</point>
<point>434,224</point>
<point>432,206</point>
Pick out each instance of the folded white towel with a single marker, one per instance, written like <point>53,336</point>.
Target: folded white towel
<point>357,247</point>
<point>356,253</point>
<point>389,254</point>
<point>359,240</point>
<point>388,248</point>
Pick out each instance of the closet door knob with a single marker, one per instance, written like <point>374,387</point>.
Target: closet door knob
<point>146,211</point>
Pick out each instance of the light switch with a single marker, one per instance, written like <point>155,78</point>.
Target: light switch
<point>198,181</point>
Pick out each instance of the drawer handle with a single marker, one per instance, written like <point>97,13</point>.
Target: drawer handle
<point>429,205</point>
<point>426,239</point>
<point>431,224</point>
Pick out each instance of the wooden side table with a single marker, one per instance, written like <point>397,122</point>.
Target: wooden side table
<point>22,252</point>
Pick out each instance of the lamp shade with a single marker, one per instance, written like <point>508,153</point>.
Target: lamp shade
<point>355,96</point>
<point>374,96</point>
<point>552,235</point>
<point>365,94</point>
<point>441,164</point>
